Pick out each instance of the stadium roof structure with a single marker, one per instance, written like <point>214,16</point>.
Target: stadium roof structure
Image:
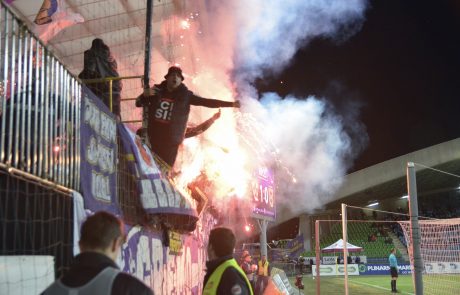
<point>120,23</point>
<point>387,180</point>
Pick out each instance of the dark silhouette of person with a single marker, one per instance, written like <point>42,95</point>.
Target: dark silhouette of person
<point>99,63</point>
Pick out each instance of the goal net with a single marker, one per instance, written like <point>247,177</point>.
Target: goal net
<point>440,250</point>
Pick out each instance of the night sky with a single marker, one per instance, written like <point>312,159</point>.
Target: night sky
<point>402,69</point>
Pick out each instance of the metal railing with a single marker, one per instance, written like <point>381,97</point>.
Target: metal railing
<point>39,108</point>
<point>110,88</point>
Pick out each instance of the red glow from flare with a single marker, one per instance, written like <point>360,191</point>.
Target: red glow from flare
<point>247,228</point>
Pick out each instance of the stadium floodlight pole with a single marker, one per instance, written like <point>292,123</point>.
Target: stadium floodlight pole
<point>345,241</point>
<point>318,258</point>
<point>415,229</point>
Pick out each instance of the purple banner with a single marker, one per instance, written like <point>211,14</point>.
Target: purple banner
<point>295,247</point>
<point>263,194</point>
<point>144,256</point>
<point>98,154</point>
<point>157,193</point>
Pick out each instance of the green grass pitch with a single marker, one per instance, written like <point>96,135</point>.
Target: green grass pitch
<point>375,285</point>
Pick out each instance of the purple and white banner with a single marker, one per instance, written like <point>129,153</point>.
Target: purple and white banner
<point>99,154</point>
<point>157,193</point>
<point>144,256</point>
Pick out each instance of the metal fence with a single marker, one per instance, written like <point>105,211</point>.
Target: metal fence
<point>39,108</point>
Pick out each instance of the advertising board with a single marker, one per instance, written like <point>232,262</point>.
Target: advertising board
<point>336,270</point>
<point>382,269</point>
<point>263,194</point>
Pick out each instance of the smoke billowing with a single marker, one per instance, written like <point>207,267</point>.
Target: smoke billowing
<point>313,144</point>
<point>241,41</point>
<point>271,32</point>
<point>311,137</point>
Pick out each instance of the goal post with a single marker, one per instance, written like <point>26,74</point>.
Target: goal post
<point>433,244</point>
<point>414,247</point>
<point>335,259</point>
<point>345,242</point>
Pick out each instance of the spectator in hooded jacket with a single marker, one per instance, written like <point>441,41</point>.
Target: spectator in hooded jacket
<point>95,270</point>
<point>99,63</point>
<point>168,107</point>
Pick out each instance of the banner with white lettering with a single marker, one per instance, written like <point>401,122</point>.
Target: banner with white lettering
<point>157,193</point>
<point>383,269</point>
<point>99,154</point>
<point>145,256</point>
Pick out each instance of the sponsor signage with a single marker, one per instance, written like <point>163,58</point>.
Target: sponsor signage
<point>382,269</point>
<point>263,194</point>
<point>333,259</point>
<point>442,267</point>
<point>329,260</point>
<point>336,270</point>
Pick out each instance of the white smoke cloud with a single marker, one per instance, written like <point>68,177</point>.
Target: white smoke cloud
<point>271,32</point>
<point>313,145</point>
<point>313,141</point>
<point>242,41</point>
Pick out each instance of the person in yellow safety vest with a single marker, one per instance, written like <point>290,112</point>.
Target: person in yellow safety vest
<point>263,274</point>
<point>223,274</point>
